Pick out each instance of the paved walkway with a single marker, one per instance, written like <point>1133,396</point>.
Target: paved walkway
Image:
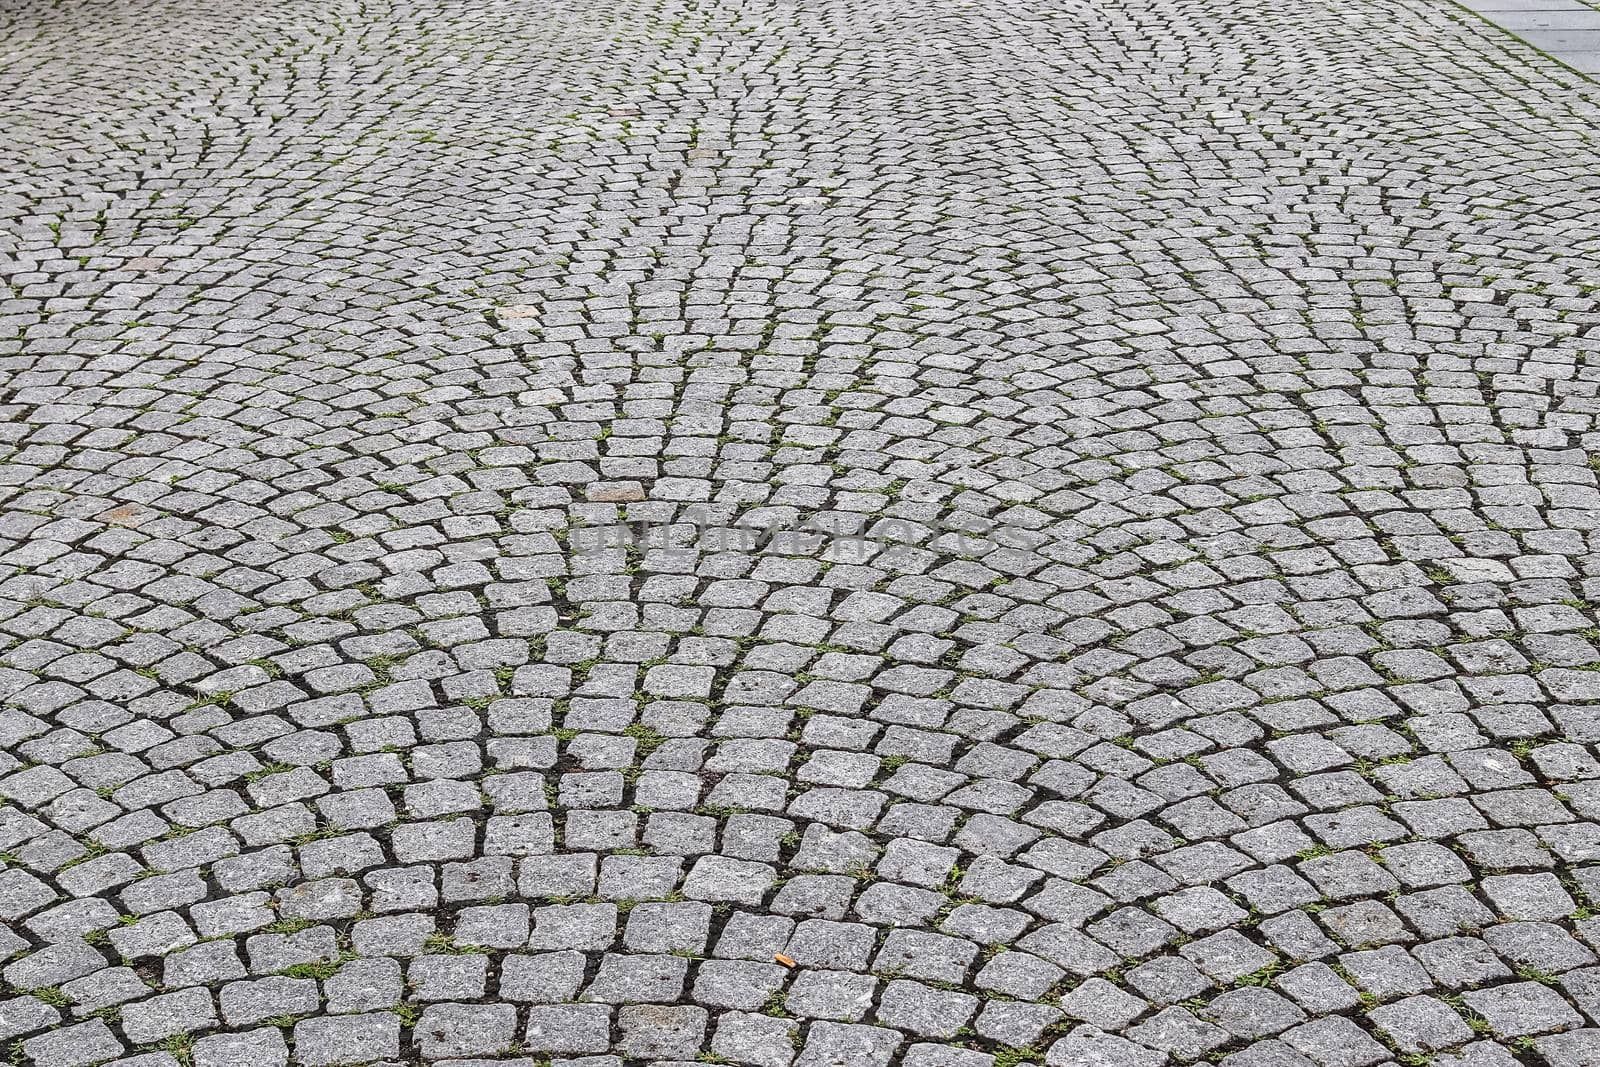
<point>1568,30</point>
<point>1110,560</point>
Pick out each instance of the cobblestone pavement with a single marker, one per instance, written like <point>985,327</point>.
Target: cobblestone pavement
<point>1215,678</point>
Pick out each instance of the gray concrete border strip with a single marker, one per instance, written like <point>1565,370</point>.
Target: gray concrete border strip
<point>1565,30</point>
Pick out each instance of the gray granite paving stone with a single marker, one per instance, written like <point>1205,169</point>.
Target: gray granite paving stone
<point>824,535</point>
<point>330,1040</point>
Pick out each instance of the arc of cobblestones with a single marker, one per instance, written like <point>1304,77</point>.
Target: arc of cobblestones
<point>833,535</point>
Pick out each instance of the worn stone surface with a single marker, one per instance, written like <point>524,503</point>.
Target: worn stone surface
<point>1111,549</point>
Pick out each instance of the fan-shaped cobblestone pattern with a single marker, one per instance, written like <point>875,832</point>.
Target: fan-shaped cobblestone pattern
<point>1215,677</point>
